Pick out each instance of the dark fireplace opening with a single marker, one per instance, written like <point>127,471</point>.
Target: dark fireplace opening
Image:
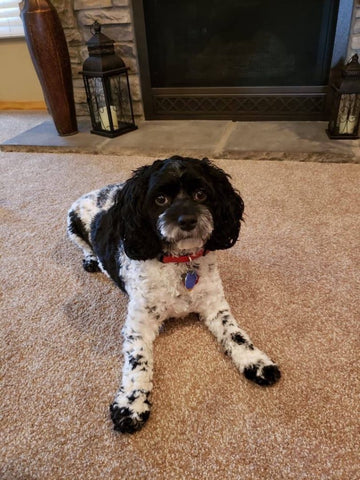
<point>233,43</point>
<point>236,58</point>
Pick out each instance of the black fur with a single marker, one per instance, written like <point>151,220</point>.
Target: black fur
<point>77,227</point>
<point>227,209</point>
<point>238,338</point>
<point>268,375</point>
<point>125,421</point>
<point>132,218</point>
<point>140,238</point>
<point>106,238</point>
<point>91,265</point>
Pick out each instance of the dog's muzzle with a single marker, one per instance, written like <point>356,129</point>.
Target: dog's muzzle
<point>174,228</point>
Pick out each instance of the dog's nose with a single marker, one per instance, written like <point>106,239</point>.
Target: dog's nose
<point>187,222</point>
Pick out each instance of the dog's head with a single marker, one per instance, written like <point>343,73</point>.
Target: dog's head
<point>178,205</point>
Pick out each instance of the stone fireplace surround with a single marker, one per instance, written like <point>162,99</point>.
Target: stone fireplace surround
<point>116,19</point>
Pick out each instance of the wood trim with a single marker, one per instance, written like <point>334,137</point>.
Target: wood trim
<point>40,105</point>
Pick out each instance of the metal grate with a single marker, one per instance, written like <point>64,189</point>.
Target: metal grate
<point>239,106</point>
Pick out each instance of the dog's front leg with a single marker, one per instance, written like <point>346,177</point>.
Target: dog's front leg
<point>251,361</point>
<point>131,407</point>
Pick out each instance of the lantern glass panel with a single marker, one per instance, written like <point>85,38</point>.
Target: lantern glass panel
<point>119,99</point>
<point>96,98</point>
<point>110,103</point>
<point>348,113</point>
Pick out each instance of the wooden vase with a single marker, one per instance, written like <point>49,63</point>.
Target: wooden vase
<point>47,45</point>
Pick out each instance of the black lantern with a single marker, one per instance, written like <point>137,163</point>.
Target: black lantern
<point>107,87</point>
<point>345,115</point>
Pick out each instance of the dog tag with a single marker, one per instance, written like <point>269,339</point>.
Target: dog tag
<point>191,279</point>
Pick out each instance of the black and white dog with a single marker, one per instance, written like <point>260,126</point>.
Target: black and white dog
<point>155,235</point>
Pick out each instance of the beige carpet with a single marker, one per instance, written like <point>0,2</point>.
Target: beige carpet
<point>292,281</point>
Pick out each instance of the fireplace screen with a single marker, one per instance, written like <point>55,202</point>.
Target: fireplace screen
<point>239,43</point>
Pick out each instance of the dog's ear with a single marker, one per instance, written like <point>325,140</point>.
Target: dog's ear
<point>227,208</point>
<point>139,235</point>
<point>126,222</point>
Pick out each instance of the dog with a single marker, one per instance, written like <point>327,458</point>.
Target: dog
<point>155,236</point>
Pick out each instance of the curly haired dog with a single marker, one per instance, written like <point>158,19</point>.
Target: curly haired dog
<point>155,235</point>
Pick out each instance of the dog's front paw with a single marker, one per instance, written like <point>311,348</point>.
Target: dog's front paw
<point>264,375</point>
<point>126,420</point>
<point>130,412</point>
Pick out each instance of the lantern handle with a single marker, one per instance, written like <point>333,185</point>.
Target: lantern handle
<point>95,28</point>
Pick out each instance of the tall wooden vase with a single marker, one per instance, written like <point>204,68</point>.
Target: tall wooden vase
<point>47,45</point>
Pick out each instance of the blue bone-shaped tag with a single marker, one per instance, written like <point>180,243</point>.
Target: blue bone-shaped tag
<point>191,280</point>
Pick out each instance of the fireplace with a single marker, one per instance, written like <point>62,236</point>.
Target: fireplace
<point>239,59</point>
<point>244,59</point>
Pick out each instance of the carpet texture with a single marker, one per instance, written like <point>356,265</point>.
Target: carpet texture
<point>292,281</point>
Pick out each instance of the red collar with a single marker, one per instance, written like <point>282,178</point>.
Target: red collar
<point>184,258</point>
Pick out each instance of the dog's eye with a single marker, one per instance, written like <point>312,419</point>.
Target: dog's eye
<point>162,200</point>
<point>199,196</point>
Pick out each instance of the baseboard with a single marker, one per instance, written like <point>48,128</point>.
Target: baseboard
<point>40,105</point>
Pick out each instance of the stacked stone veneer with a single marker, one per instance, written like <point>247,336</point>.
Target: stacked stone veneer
<point>115,17</point>
<point>354,44</point>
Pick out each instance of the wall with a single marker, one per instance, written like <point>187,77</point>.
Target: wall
<point>76,17</point>
<point>18,79</point>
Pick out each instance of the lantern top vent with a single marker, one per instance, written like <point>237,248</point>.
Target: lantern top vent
<point>347,79</point>
<point>102,57</point>
<point>352,69</point>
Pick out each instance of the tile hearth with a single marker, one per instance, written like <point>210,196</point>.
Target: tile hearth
<point>299,141</point>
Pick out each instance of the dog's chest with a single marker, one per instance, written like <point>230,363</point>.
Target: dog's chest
<point>168,286</point>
